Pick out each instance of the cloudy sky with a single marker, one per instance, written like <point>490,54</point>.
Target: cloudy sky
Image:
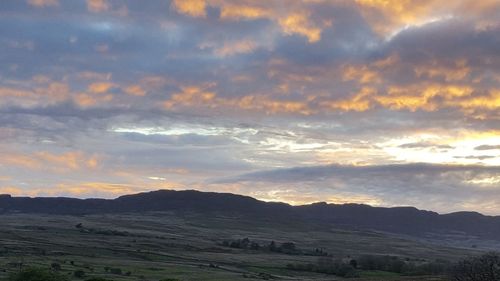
<point>383,102</point>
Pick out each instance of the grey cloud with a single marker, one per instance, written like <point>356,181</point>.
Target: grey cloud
<point>478,157</point>
<point>429,186</point>
<point>425,145</point>
<point>487,147</point>
<point>317,173</point>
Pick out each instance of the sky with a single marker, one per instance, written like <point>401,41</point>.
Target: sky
<point>380,102</point>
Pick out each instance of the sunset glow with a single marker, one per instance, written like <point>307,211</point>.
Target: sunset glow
<point>382,102</point>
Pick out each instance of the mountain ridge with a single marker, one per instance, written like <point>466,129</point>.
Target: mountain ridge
<point>400,220</point>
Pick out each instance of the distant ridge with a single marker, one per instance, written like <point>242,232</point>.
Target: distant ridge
<point>399,220</point>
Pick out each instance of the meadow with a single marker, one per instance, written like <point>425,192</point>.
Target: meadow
<point>189,246</point>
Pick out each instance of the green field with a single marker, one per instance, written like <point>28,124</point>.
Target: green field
<point>189,247</point>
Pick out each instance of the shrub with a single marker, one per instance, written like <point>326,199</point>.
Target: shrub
<point>116,271</point>
<point>328,266</point>
<point>482,268</point>
<point>79,273</point>
<point>55,266</point>
<point>37,274</point>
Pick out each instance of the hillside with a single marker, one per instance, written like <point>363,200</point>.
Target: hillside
<point>399,220</point>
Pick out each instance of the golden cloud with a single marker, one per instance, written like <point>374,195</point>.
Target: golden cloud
<point>298,23</point>
<point>194,8</point>
<point>293,19</point>
<point>203,97</point>
<point>236,12</point>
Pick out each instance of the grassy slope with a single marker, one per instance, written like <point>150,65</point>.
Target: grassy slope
<point>183,247</point>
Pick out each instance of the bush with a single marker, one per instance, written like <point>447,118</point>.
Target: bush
<point>55,266</point>
<point>402,266</point>
<point>37,274</point>
<point>328,266</point>
<point>116,271</point>
<point>79,273</point>
<point>482,268</point>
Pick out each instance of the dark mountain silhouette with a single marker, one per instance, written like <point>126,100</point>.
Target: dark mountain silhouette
<point>400,220</point>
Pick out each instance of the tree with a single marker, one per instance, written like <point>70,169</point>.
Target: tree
<point>55,266</point>
<point>272,246</point>
<point>353,263</point>
<point>288,246</point>
<point>481,268</point>
<point>79,273</point>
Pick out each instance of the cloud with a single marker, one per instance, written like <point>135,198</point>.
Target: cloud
<point>226,88</point>
<point>44,160</point>
<point>97,6</point>
<point>478,157</point>
<point>292,20</point>
<point>315,173</point>
<point>194,8</point>
<point>441,187</point>
<point>298,23</point>
<point>487,147</point>
<point>425,145</point>
<point>135,90</point>
<point>43,3</point>
<point>100,87</point>
<point>231,48</point>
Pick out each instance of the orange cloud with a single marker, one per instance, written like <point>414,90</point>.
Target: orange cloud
<point>457,72</point>
<point>14,191</point>
<point>490,101</point>
<point>194,8</point>
<point>43,3</point>
<point>298,23</point>
<point>43,160</point>
<point>100,87</point>
<point>56,91</point>
<point>359,102</point>
<point>272,106</point>
<point>190,96</point>
<point>416,97</point>
<point>86,189</point>
<point>47,94</point>
<point>90,189</point>
<point>135,90</point>
<point>363,74</point>
<point>86,100</point>
<point>97,6</point>
<point>387,16</point>
<point>292,19</point>
<point>201,96</point>
<point>235,12</point>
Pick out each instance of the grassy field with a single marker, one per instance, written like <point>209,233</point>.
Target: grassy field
<point>189,247</point>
